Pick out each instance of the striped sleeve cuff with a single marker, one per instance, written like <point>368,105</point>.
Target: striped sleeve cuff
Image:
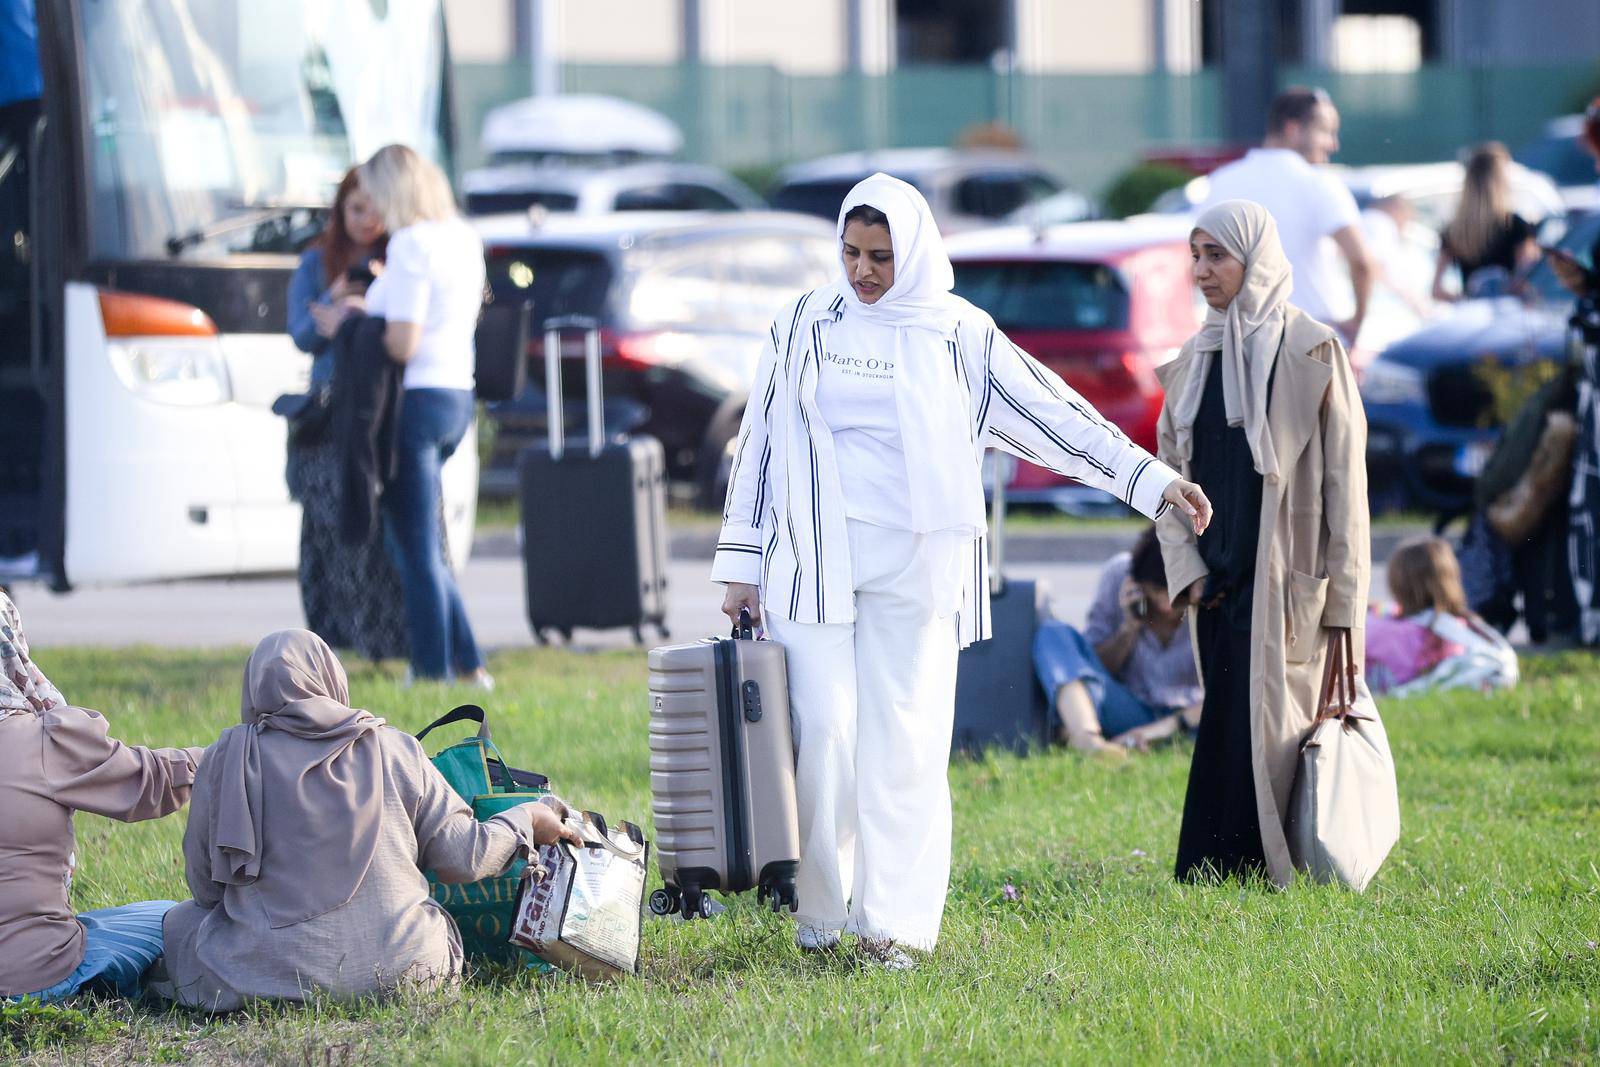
<point>1150,479</point>
<point>738,556</point>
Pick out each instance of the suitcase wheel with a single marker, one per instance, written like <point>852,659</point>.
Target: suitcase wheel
<point>664,901</point>
<point>781,895</point>
<point>695,904</point>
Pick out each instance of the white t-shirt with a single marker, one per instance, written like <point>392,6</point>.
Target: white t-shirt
<point>855,396</point>
<point>433,275</point>
<point>1309,206</point>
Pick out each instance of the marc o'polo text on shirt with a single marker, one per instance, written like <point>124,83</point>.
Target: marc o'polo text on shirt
<point>859,366</point>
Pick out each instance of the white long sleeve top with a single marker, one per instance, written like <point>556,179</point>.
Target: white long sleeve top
<point>784,526</point>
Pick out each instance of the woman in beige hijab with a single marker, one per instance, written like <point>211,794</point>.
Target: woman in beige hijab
<point>1262,410</point>
<point>56,759</point>
<point>310,828</point>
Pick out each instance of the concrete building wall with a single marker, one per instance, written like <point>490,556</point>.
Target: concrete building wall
<point>1085,36</point>
<point>620,31</point>
<point>809,38</point>
<point>482,31</point>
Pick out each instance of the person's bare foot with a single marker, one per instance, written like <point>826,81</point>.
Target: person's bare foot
<point>1093,743</point>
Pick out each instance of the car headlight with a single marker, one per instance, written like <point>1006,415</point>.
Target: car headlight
<point>181,371</point>
<point>1388,382</point>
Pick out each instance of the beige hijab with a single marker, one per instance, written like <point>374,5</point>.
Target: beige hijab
<point>299,784</point>
<point>1247,335</point>
<point>24,690</point>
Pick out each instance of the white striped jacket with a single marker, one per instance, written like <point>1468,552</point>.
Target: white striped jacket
<point>783,526</point>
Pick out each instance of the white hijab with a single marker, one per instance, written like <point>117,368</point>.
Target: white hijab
<point>1247,335</point>
<point>920,313</point>
<point>920,296</point>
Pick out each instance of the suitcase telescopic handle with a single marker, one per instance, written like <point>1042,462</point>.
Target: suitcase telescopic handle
<point>554,411</point>
<point>1003,467</point>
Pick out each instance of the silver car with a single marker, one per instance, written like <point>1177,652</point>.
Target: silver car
<point>966,188</point>
<point>556,189</point>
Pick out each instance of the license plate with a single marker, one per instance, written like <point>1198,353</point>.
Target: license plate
<point>1470,458</point>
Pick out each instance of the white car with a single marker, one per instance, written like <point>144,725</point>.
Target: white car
<point>558,189</point>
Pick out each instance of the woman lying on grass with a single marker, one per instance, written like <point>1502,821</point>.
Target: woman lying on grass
<point>54,759</point>
<point>311,826</point>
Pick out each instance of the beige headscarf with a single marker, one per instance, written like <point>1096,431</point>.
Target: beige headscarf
<point>307,803</point>
<point>1248,334</point>
<point>24,690</point>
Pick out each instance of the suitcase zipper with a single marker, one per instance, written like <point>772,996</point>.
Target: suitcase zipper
<point>730,714</point>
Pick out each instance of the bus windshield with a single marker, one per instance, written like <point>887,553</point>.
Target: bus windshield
<point>204,117</point>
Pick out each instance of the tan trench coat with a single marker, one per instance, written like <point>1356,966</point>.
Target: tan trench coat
<point>1314,559</point>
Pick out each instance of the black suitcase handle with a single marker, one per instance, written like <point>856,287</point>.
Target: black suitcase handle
<point>744,629</point>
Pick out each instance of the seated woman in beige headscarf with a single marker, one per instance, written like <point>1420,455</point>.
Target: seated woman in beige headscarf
<point>1261,410</point>
<point>309,830</point>
<point>56,759</point>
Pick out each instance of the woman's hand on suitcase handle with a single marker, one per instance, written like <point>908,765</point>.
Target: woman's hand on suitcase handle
<point>741,595</point>
<point>1190,499</point>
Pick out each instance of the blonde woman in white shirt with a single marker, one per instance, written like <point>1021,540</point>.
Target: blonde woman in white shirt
<point>854,529</point>
<point>430,293</point>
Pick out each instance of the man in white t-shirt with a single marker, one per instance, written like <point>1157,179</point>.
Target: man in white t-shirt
<point>1317,217</point>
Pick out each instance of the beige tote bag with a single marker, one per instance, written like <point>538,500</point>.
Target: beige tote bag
<point>1344,816</point>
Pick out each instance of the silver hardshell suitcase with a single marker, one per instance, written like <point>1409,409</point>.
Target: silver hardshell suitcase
<point>722,772</point>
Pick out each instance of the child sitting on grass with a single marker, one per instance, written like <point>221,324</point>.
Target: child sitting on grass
<point>1436,642</point>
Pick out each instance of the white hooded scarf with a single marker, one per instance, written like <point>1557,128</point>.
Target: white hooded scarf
<point>920,314</point>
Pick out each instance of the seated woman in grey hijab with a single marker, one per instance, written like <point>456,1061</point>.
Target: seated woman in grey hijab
<point>309,829</point>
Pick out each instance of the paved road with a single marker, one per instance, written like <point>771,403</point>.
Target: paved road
<point>223,613</point>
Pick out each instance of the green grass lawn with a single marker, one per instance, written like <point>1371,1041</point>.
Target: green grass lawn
<point>1476,943</point>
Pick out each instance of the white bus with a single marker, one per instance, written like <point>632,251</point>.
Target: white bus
<point>151,206</point>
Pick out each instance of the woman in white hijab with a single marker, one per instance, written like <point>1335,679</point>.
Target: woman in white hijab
<point>1262,408</point>
<point>854,527</point>
<point>310,828</point>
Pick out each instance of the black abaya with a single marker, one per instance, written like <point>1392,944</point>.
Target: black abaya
<point>1221,832</point>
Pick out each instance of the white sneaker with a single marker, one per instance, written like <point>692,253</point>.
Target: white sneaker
<point>814,938</point>
<point>481,679</point>
<point>883,953</point>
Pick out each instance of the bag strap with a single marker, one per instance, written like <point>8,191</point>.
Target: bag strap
<point>1338,685</point>
<point>464,713</point>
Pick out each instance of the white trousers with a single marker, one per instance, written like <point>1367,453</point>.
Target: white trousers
<point>872,703</point>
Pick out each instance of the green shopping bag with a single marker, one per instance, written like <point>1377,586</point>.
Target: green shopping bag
<point>474,768</point>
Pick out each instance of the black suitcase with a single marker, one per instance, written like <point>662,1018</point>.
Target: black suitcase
<point>594,520</point>
<point>500,345</point>
<point>999,702</point>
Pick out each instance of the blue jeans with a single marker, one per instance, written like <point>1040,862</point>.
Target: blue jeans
<point>432,423</point>
<point>1061,654</point>
<point>119,945</point>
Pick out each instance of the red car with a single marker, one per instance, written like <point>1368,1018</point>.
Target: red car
<point>1100,303</point>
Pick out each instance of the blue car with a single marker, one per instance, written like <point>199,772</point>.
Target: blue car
<point>1437,400</point>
